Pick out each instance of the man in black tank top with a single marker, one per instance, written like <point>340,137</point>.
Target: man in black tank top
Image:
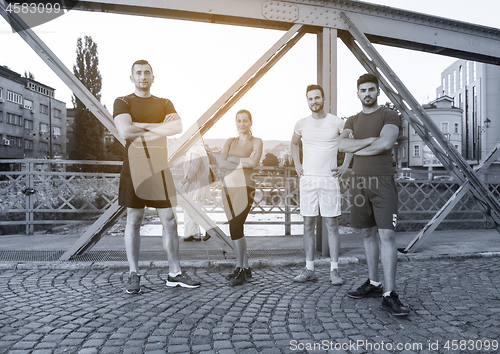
<point>145,121</point>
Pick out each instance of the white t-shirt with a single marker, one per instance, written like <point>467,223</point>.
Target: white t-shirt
<point>320,142</point>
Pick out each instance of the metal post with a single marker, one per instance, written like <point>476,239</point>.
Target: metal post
<point>29,213</point>
<point>288,197</point>
<point>327,78</point>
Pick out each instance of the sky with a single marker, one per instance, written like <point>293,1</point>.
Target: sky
<point>195,63</point>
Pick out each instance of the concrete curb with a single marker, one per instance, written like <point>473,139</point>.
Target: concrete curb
<point>255,263</point>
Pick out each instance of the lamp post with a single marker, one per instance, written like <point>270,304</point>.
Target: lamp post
<point>481,130</point>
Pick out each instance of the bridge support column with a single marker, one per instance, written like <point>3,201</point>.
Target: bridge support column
<point>327,78</point>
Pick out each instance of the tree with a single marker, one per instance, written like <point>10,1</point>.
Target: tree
<point>89,132</point>
<point>271,160</point>
<point>29,75</point>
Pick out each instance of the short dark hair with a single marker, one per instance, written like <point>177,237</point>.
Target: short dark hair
<point>367,78</point>
<point>315,87</point>
<point>245,112</point>
<point>141,62</point>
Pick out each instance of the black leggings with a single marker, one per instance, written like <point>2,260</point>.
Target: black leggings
<point>237,204</point>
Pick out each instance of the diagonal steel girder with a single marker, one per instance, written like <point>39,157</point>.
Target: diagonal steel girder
<point>427,230</point>
<point>60,69</point>
<point>368,56</point>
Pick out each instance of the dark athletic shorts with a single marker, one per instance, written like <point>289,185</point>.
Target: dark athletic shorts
<point>127,196</point>
<point>374,202</point>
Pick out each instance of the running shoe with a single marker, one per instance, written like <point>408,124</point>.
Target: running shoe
<point>335,277</point>
<point>366,290</point>
<point>392,305</point>
<point>305,275</point>
<point>182,280</point>
<point>133,283</point>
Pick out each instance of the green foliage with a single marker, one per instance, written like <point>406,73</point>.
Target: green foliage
<point>89,132</point>
<point>271,160</point>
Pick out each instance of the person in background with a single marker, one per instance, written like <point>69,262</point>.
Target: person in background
<point>195,183</point>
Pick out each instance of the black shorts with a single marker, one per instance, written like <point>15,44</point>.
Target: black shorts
<point>374,202</point>
<point>162,183</point>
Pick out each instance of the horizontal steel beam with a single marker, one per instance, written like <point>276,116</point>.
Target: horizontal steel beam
<point>381,24</point>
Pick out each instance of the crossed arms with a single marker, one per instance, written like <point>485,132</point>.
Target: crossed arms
<point>231,162</point>
<point>369,146</point>
<point>129,130</point>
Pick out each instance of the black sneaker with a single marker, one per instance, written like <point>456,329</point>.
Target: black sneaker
<point>182,280</point>
<point>366,290</point>
<point>206,237</point>
<point>392,305</point>
<point>133,283</point>
<point>239,278</point>
<point>191,238</point>
<point>248,272</point>
<point>234,273</point>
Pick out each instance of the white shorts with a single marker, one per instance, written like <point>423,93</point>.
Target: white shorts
<point>320,195</point>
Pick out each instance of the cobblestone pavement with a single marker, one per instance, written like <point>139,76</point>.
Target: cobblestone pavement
<point>87,311</point>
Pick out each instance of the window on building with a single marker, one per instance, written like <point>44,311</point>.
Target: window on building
<point>14,97</point>
<point>455,81</point>
<point>404,130</point>
<point>15,141</point>
<point>28,124</point>
<point>1,92</point>
<point>57,130</point>
<point>467,72</point>
<point>445,127</point>
<point>474,71</point>
<point>416,151</point>
<point>474,104</point>
<point>44,109</point>
<point>43,146</point>
<point>460,77</point>
<point>57,113</point>
<point>28,104</point>
<point>44,128</point>
<point>443,86</point>
<point>460,101</point>
<point>404,152</point>
<point>57,148</point>
<point>449,85</point>
<point>456,128</point>
<point>28,144</point>
<point>14,119</point>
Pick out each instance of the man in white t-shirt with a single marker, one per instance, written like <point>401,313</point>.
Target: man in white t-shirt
<point>319,179</point>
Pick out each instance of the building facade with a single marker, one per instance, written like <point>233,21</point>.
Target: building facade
<point>32,121</point>
<point>414,153</point>
<point>475,88</point>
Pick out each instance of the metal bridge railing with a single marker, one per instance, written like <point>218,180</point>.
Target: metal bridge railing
<point>54,192</point>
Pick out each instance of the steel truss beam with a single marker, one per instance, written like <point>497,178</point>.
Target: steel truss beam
<point>60,69</point>
<point>381,24</point>
<point>429,228</point>
<point>363,50</point>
